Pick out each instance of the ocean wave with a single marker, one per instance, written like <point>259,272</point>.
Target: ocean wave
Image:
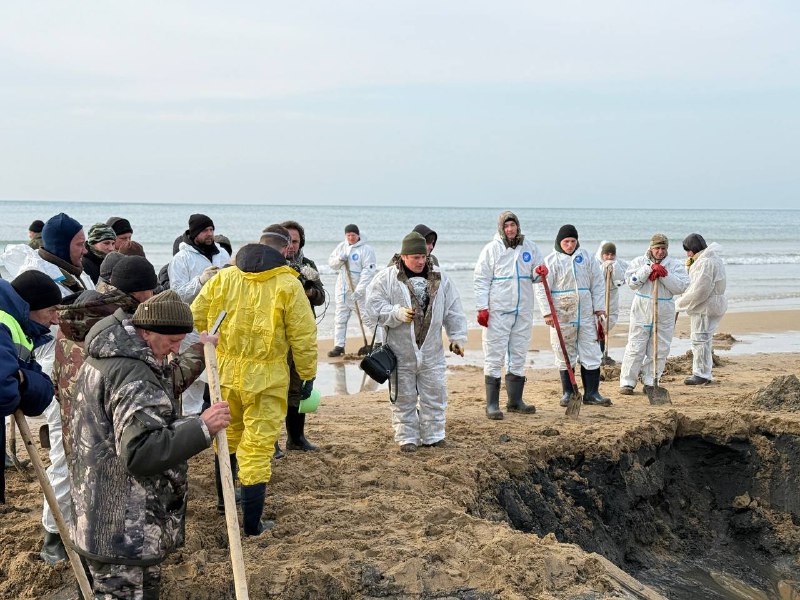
<point>763,259</point>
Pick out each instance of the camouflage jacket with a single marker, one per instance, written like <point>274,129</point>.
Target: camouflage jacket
<point>77,314</point>
<point>128,468</point>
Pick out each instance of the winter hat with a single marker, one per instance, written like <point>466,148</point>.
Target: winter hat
<point>197,223</point>
<point>566,231</point>
<point>119,225</point>
<point>131,248</point>
<point>608,248</point>
<point>109,262</point>
<point>133,274</point>
<point>694,242</point>
<point>659,240</point>
<point>37,289</point>
<point>299,228</point>
<point>100,232</point>
<point>36,226</point>
<point>57,235</point>
<point>413,243</point>
<point>225,242</point>
<point>426,231</point>
<point>164,313</point>
<point>504,217</point>
<point>352,228</point>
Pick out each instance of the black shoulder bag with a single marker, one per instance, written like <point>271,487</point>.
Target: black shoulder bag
<point>380,363</point>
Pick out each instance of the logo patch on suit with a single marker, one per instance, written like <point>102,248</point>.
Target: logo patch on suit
<point>579,259</point>
<point>354,256</point>
<point>526,257</point>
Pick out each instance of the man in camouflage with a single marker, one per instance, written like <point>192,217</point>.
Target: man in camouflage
<point>128,466</point>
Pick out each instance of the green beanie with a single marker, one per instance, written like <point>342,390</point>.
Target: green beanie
<point>413,243</point>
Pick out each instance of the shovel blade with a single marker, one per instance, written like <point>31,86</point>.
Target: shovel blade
<point>574,405</point>
<point>364,350</point>
<point>658,396</point>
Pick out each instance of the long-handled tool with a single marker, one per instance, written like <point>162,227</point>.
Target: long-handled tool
<point>574,404</point>
<point>364,350</point>
<point>656,394</point>
<point>19,465</point>
<point>607,369</point>
<point>74,559</point>
<point>226,473</point>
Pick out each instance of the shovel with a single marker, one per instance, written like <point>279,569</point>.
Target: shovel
<point>575,400</point>
<point>657,395</point>
<point>606,369</point>
<point>19,465</point>
<point>364,350</point>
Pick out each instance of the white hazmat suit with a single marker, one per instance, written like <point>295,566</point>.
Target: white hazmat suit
<point>638,359</point>
<point>360,258</point>
<point>618,268</point>
<point>705,303</point>
<point>420,362</point>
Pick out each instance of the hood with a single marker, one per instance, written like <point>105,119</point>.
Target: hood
<point>12,303</point>
<point>425,231</point>
<point>80,312</point>
<point>257,258</point>
<point>115,337</point>
<point>507,215</point>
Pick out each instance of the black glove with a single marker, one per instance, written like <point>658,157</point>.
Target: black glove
<point>305,391</point>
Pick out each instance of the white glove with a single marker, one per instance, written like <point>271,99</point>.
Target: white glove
<point>357,296</point>
<point>404,314</point>
<point>207,274</point>
<point>608,265</point>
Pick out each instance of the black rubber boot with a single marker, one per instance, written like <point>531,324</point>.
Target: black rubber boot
<point>53,548</point>
<point>252,507</point>
<point>514,387</point>
<point>566,388</point>
<point>591,387</point>
<point>493,398</point>
<point>218,483</point>
<point>295,431</point>
<point>278,452</point>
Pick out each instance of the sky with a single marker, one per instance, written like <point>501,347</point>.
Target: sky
<point>680,104</point>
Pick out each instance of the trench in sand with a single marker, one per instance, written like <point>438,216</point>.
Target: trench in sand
<point>692,517</point>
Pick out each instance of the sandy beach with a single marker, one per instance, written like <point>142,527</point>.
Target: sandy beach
<point>630,501</point>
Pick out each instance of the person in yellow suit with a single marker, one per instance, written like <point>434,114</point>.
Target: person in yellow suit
<point>267,316</point>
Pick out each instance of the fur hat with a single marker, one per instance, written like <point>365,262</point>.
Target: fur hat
<point>164,313</point>
<point>37,289</point>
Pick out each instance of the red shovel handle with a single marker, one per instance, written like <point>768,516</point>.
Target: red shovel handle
<point>558,332</point>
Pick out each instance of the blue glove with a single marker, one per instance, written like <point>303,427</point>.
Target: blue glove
<point>305,391</point>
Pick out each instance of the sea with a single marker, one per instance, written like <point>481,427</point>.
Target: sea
<point>760,247</point>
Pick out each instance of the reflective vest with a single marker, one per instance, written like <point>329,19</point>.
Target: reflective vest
<point>21,341</point>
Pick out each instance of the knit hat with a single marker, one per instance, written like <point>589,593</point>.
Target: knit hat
<point>694,242</point>
<point>659,240</point>
<point>100,232</point>
<point>107,266</point>
<point>131,248</point>
<point>198,223</point>
<point>133,274</point>
<point>36,226</point>
<point>352,228</point>
<point>566,231</point>
<point>413,243</point>
<point>119,225</point>
<point>608,248</point>
<point>164,313</point>
<point>425,232</point>
<point>57,235</point>
<point>37,289</point>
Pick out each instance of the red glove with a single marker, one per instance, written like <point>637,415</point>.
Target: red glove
<point>483,317</point>
<point>657,270</point>
<point>541,270</point>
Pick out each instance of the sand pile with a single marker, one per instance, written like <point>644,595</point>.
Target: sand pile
<point>783,393</point>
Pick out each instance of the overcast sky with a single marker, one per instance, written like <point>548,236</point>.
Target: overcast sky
<point>621,104</point>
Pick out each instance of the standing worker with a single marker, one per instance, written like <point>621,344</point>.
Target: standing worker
<point>503,280</point>
<point>578,291</point>
<point>414,300</point>
<point>704,301</point>
<point>268,315</point>
<point>99,244</point>
<point>359,257</point>
<point>613,270</point>
<point>640,275</point>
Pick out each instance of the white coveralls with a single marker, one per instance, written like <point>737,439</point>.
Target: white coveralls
<point>420,370</point>
<point>578,289</point>
<point>638,357</point>
<point>360,257</point>
<point>184,270</point>
<point>705,303</point>
<point>617,281</point>
<point>503,283</point>
<point>17,259</point>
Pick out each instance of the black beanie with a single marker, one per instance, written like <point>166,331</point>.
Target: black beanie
<point>566,231</point>
<point>57,235</point>
<point>694,242</point>
<point>198,223</point>
<point>107,266</point>
<point>134,274</point>
<point>37,289</point>
<point>119,225</point>
<point>352,228</point>
<point>36,226</point>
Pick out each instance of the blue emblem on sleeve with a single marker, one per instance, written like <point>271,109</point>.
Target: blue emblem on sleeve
<point>355,256</point>
<point>526,257</point>
<point>579,259</point>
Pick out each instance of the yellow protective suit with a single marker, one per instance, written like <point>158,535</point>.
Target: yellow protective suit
<point>267,316</point>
